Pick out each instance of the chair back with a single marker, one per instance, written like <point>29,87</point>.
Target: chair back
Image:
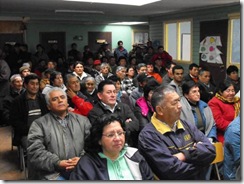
<point>219,152</point>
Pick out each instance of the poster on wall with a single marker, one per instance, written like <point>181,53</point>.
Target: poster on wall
<point>209,51</point>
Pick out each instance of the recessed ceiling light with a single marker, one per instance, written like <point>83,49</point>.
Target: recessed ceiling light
<point>128,23</point>
<point>123,2</point>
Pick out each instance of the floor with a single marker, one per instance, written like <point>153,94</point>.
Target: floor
<point>9,164</point>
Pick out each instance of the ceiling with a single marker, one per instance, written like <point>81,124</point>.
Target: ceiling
<point>44,10</point>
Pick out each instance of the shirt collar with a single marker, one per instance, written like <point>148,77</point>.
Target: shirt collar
<point>108,107</point>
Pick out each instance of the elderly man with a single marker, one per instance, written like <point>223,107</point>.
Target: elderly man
<point>174,149</point>
<point>56,140</point>
<point>78,102</point>
<point>107,104</point>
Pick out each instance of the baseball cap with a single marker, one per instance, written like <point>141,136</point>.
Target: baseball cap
<point>97,62</point>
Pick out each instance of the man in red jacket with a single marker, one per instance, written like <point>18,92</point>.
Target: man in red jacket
<point>77,101</point>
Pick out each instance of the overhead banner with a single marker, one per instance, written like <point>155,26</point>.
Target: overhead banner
<point>209,51</point>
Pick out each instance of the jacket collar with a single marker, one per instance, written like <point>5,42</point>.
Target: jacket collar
<point>163,127</point>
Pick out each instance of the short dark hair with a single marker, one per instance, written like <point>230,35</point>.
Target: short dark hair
<point>53,76</point>
<point>32,76</point>
<point>102,84</point>
<point>140,65</point>
<point>120,42</point>
<point>232,68</point>
<point>114,78</point>
<point>177,67</point>
<point>150,86</point>
<point>92,145</point>
<point>191,66</point>
<point>186,86</point>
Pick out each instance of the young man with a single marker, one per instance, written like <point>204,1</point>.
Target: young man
<point>26,108</point>
<point>174,149</point>
<point>176,83</point>
<point>56,140</point>
<point>193,73</point>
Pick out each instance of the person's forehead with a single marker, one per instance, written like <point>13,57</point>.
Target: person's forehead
<point>108,87</point>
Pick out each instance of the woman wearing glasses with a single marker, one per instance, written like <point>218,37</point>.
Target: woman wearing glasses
<point>108,157</point>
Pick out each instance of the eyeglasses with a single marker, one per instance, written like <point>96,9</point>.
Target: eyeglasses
<point>113,134</point>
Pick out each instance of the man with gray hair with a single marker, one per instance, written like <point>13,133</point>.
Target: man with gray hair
<point>104,73</point>
<point>174,149</point>
<point>56,140</point>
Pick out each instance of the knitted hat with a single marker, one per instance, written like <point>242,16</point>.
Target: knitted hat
<point>24,68</point>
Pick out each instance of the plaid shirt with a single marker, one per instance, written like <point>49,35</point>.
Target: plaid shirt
<point>127,85</point>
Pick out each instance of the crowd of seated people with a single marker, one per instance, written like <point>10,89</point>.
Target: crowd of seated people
<point>136,115</point>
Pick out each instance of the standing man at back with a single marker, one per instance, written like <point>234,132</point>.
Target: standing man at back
<point>120,51</point>
<point>174,149</point>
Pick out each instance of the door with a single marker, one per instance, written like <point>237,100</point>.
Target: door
<point>95,39</point>
<point>217,31</point>
<point>49,38</point>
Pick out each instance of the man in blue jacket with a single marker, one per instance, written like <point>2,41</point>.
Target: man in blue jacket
<point>174,149</point>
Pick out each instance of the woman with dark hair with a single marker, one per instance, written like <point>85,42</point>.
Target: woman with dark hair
<point>143,107</point>
<point>56,80</point>
<point>108,157</point>
<point>197,111</point>
<point>79,70</point>
<point>225,107</point>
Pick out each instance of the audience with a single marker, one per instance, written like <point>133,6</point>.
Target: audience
<point>206,111</point>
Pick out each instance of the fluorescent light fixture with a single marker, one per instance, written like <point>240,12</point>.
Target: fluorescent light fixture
<point>128,23</point>
<point>123,2</point>
<point>79,11</point>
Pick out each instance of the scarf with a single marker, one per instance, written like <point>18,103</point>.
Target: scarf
<point>235,101</point>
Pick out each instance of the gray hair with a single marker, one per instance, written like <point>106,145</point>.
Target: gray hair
<point>159,95</point>
<point>104,65</point>
<point>47,95</point>
<point>120,68</point>
<point>13,77</point>
<point>68,76</point>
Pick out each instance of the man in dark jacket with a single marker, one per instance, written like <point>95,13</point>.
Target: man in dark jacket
<point>26,108</point>
<point>174,149</point>
<point>107,104</point>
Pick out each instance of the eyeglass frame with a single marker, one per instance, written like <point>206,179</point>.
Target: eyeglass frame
<point>113,135</point>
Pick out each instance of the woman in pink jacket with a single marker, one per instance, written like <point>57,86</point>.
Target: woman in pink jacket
<point>225,107</point>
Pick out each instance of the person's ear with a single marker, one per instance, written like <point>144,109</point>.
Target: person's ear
<point>99,95</point>
<point>159,110</point>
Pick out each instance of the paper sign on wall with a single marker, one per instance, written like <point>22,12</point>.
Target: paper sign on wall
<point>209,51</point>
